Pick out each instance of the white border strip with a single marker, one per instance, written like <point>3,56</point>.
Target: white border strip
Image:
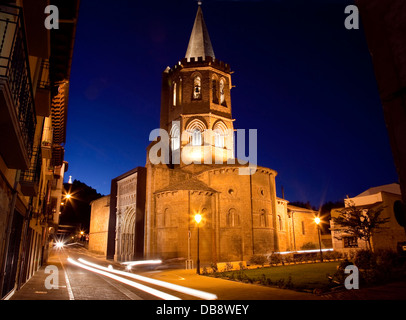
<point>68,287</point>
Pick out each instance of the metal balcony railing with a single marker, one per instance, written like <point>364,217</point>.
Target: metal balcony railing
<point>14,69</point>
<point>29,179</point>
<point>44,80</point>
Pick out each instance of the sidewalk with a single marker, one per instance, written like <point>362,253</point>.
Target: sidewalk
<point>35,288</point>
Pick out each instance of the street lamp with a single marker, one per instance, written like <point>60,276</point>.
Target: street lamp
<point>317,220</point>
<point>198,219</point>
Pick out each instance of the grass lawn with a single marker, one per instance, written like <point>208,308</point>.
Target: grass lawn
<point>300,276</point>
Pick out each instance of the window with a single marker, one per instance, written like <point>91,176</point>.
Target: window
<point>214,91</point>
<point>280,223</point>
<point>174,94</point>
<point>195,128</point>
<point>262,218</point>
<point>220,132</point>
<point>233,219</point>
<point>218,139</point>
<point>350,242</point>
<point>197,87</point>
<point>196,137</point>
<point>175,137</point>
<point>222,95</point>
<point>303,227</point>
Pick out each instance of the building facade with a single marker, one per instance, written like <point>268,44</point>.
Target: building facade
<point>34,85</point>
<point>390,237</point>
<point>198,173</point>
<point>99,225</point>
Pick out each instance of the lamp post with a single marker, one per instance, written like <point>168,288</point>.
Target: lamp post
<point>317,220</point>
<point>198,219</point>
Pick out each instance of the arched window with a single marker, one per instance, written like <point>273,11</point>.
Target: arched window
<point>196,137</point>
<point>197,88</point>
<point>174,94</point>
<point>262,218</point>
<point>175,137</point>
<point>233,219</point>
<point>220,132</point>
<point>222,94</point>
<point>195,128</point>
<point>280,222</point>
<point>214,91</point>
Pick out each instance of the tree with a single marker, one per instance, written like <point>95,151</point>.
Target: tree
<point>359,222</point>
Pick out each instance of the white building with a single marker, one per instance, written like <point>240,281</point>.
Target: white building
<point>388,238</point>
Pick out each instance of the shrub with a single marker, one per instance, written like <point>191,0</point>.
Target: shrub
<point>386,259</point>
<point>229,266</point>
<point>258,259</point>
<point>275,258</point>
<point>309,246</point>
<point>288,258</point>
<point>365,259</point>
<point>339,276</point>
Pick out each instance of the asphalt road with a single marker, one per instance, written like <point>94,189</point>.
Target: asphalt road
<point>88,282</point>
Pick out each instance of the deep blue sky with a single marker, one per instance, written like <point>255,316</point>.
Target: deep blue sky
<point>302,80</point>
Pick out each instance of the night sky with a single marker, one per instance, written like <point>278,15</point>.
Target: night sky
<point>302,80</point>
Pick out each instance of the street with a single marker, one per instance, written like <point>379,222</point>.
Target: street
<point>73,273</point>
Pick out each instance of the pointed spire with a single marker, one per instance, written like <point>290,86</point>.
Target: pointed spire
<point>199,42</point>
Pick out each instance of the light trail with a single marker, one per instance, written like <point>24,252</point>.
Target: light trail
<point>140,262</point>
<point>193,292</point>
<point>305,251</point>
<point>139,286</point>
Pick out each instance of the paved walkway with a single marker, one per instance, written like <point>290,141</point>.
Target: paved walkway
<point>35,289</point>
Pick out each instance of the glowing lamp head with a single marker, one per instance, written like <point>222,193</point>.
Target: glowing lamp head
<point>68,196</point>
<point>198,218</point>
<point>59,244</point>
<point>317,220</point>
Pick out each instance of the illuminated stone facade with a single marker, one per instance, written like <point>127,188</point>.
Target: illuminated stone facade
<point>200,174</point>
<point>241,214</point>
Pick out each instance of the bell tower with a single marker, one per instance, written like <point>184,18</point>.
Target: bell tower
<point>196,103</point>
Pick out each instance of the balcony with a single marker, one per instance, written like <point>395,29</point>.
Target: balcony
<point>29,179</point>
<point>46,143</point>
<point>17,111</point>
<point>43,94</point>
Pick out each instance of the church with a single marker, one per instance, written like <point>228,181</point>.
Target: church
<point>151,210</point>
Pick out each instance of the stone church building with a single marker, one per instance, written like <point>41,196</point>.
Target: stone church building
<point>152,208</point>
